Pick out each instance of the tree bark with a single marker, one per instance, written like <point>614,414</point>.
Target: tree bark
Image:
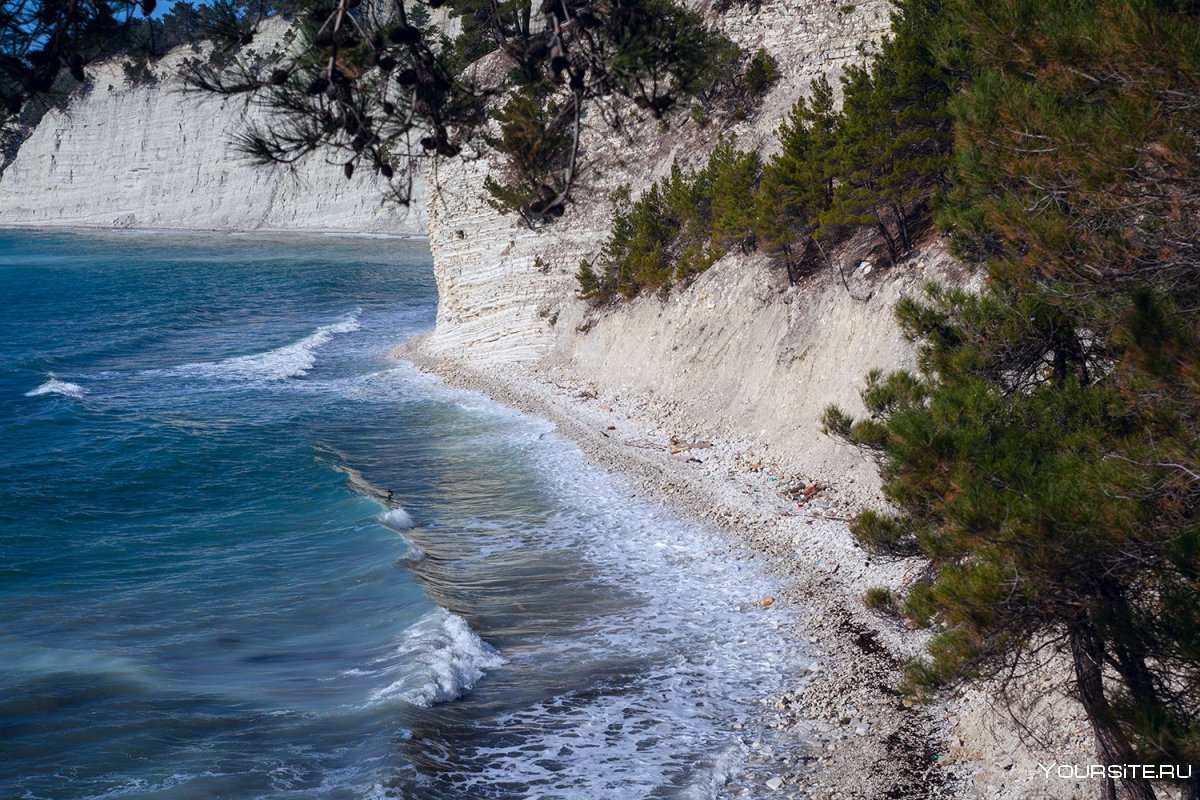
<point>887,239</point>
<point>791,267</point>
<point>902,225</point>
<point>1112,748</point>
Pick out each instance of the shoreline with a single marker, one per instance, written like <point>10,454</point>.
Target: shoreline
<point>83,228</point>
<point>849,733</point>
<point>852,735</point>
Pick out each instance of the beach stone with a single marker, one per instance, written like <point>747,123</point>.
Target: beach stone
<point>775,784</point>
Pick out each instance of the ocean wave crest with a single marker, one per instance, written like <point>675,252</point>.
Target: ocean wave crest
<point>55,386</point>
<point>398,519</point>
<point>443,658</point>
<point>290,361</point>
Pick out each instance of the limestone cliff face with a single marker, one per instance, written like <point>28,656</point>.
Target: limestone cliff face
<point>155,156</point>
<point>738,353</point>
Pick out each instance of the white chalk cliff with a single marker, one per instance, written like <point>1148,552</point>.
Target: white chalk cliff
<point>157,156</point>
<point>496,302</point>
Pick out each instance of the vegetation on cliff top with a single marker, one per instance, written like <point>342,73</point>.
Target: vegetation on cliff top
<point>874,164</point>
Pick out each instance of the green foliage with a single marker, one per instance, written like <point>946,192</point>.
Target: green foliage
<point>653,52</point>
<point>1043,456</point>
<point>797,183</point>
<point>534,135</point>
<point>882,533</point>
<point>880,599</point>
<point>893,135</point>
<point>666,45</point>
<point>761,72</point>
<point>589,281</point>
<point>677,228</point>
<point>482,23</point>
<point>732,178</point>
<point>873,164</point>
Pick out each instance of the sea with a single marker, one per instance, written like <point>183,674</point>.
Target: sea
<point>245,553</point>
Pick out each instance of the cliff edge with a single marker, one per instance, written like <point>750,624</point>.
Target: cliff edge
<point>709,398</point>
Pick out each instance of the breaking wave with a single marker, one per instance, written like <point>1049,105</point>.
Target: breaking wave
<point>290,361</point>
<point>55,386</point>
<point>443,658</point>
<point>398,519</point>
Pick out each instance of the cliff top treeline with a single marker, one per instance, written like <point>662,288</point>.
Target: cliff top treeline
<point>877,163</point>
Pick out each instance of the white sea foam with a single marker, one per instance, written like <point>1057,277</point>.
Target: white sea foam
<point>398,519</point>
<point>413,554</point>
<point>364,235</point>
<point>289,361</point>
<point>55,386</point>
<point>442,658</point>
<point>665,676</point>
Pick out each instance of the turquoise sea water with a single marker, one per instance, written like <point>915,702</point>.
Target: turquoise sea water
<point>243,554</point>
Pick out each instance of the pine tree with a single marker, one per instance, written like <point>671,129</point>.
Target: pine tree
<point>592,286</point>
<point>734,175</point>
<point>1044,455</point>
<point>797,183</point>
<point>893,137</point>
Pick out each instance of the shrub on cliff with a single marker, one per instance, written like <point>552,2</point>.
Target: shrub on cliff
<point>677,228</point>
<point>761,72</point>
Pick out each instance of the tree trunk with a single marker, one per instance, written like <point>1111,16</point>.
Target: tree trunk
<point>1087,651</point>
<point>887,238</point>
<point>902,225</point>
<point>829,263</point>
<point>523,20</point>
<point>790,264</point>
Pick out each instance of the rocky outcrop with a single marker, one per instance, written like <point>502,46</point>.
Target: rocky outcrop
<point>157,156</point>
